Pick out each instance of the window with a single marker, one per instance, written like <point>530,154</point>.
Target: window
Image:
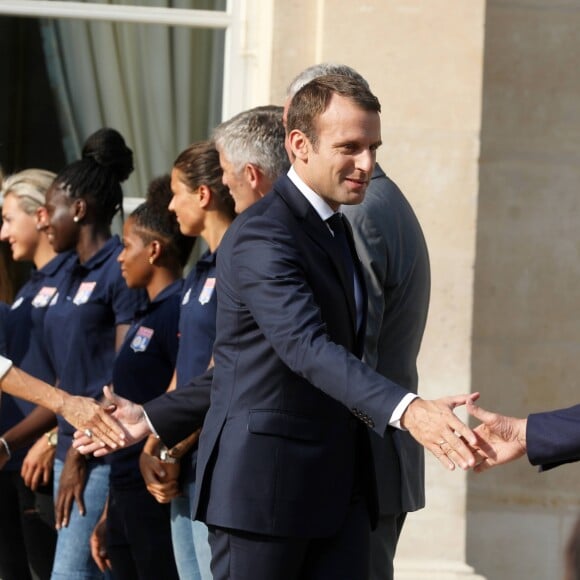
<point>162,72</point>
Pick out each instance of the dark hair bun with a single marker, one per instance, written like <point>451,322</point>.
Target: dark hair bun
<point>107,148</point>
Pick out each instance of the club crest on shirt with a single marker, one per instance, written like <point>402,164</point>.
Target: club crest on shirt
<point>142,339</point>
<point>186,297</point>
<point>44,296</point>
<point>17,303</point>
<point>207,291</point>
<point>84,292</point>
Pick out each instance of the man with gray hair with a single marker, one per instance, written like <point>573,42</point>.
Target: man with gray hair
<point>252,154</point>
<point>393,252</point>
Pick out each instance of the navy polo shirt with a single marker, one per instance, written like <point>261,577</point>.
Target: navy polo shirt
<point>25,344</point>
<point>197,320</point>
<point>143,371</point>
<point>197,327</point>
<point>4,308</point>
<point>80,327</point>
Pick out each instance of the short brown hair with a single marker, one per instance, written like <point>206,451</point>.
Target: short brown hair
<point>313,99</point>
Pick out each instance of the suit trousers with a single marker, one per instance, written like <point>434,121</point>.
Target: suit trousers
<point>238,555</point>
<point>384,541</point>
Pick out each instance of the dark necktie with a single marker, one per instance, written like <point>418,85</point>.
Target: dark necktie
<point>336,224</point>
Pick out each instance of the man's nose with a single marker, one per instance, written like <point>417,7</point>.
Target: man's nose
<point>366,161</point>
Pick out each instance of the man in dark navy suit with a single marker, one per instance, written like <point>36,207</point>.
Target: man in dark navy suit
<point>285,474</point>
<point>284,470</point>
<point>393,252</point>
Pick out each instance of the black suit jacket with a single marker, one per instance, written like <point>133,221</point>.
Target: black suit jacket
<point>284,442</point>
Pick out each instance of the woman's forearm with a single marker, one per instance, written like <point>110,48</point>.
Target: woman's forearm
<point>20,384</point>
<point>84,413</point>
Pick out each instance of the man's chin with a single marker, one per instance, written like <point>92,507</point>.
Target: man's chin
<point>354,197</point>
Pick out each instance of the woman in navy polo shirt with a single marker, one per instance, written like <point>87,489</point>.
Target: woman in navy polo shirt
<point>204,207</point>
<point>27,535</point>
<point>138,535</point>
<point>84,325</point>
<point>4,308</point>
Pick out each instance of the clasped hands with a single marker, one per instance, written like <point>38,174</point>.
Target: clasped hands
<point>496,440</point>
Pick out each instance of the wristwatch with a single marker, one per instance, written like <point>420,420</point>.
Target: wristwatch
<point>166,457</point>
<point>52,438</point>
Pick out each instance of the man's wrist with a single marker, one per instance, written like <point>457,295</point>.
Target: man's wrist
<point>522,434</point>
<point>398,416</point>
<point>149,424</point>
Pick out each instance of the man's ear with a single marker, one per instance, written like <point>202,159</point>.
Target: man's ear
<point>253,175</point>
<point>299,144</point>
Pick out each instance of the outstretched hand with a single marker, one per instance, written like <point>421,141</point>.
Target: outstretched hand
<point>500,439</point>
<point>434,425</point>
<point>88,415</point>
<point>126,414</point>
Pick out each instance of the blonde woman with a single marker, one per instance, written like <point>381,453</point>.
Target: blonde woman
<point>27,534</point>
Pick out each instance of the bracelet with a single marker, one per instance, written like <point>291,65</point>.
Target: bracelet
<point>6,447</point>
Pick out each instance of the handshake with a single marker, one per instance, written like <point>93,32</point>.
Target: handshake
<point>496,440</point>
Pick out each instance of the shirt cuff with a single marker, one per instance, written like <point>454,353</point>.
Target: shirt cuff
<point>5,366</point>
<point>151,428</point>
<point>395,420</point>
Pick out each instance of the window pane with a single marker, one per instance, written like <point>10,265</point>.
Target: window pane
<point>161,87</point>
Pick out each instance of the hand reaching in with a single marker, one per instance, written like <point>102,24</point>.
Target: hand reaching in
<point>500,439</point>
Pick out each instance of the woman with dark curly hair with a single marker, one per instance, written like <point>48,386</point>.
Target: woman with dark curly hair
<point>84,326</point>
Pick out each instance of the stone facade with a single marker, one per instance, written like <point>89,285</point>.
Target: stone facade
<point>481,130</point>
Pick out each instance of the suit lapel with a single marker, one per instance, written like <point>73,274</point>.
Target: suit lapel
<point>318,231</point>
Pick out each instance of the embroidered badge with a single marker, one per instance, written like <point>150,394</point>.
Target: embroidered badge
<point>17,303</point>
<point>54,299</point>
<point>142,339</point>
<point>186,297</point>
<point>44,296</point>
<point>207,291</point>
<point>84,292</point>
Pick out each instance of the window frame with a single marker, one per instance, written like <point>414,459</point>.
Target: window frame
<point>247,52</point>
